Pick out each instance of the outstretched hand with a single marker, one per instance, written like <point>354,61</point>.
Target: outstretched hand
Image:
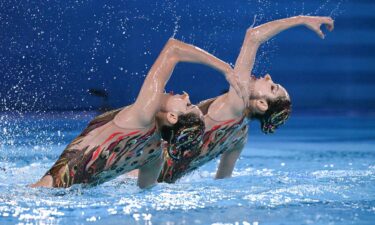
<point>315,22</point>
<point>244,85</point>
<point>239,86</point>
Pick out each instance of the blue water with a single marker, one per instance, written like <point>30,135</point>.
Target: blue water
<point>316,170</point>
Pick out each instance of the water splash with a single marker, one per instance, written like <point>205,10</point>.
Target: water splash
<point>322,6</point>
<point>336,11</point>
<point>176,26</point>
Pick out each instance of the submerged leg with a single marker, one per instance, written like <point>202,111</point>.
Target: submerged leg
<point>228,161</point>
<point>133,173</point>
<point>149,173</point>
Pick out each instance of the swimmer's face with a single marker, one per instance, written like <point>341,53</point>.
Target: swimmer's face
<point>265,88</point>
<point>180,104</point>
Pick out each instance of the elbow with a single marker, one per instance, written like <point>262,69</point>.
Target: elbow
<point>170,43</point>
<point>171,49</point>
<point>172,40</point>
<point>253,35</point>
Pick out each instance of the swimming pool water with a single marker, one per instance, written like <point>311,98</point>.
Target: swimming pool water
<point>315,170</point>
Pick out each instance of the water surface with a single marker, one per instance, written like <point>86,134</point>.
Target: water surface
<point>315,170</point>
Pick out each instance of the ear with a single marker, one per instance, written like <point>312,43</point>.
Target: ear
<point>172,117</point>
<point>261,105</point>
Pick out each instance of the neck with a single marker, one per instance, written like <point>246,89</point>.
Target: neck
<point>164,100</point>
<point>230,105</point>
<point>225,107</point>
<point>161,120</point>
<point>161,116</point>
<point>238,103</point>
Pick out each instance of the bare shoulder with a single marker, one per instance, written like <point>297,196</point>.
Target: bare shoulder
<point>205,104</point>
<point>95,125</point>
<point>101,120</point>
<point>131,117</point>
<point>223,108</point>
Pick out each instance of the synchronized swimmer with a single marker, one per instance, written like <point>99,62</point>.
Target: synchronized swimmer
<point>226,117</point>
<point>165,136</point>
<point>132,137</point>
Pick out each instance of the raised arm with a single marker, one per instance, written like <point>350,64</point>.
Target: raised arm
<point>149,99</point>
<point>258,35</point>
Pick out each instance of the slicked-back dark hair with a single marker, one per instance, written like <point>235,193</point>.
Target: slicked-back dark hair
<point>277,113</point>
<point>184,135</point>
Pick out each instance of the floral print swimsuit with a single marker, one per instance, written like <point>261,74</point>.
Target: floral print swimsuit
<point>121,152</point>
<point>219,139</point>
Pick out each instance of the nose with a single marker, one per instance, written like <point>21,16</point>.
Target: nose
<point>185,96</point>
<point>267,77</point>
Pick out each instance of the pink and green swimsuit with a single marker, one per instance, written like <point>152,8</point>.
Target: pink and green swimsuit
<point>219,139</point>
<point>125,151</point>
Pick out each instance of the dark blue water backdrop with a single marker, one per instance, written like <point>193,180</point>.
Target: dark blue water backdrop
<point>57,57</point>
<point>52,52</point>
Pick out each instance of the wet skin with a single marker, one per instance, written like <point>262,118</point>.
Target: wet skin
<point>129,138</point>
<point>234,106</point>
<point>225,115</point>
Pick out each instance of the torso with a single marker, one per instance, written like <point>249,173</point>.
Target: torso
<point>103,151</point>
<point>222,137</point>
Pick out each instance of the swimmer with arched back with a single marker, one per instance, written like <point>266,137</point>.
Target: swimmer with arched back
<point>130,138</point>
<point>226,116</point>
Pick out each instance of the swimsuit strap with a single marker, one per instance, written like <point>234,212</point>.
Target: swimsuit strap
<point>152,125</point>
<point>222,121</point>
<point>215,120</point>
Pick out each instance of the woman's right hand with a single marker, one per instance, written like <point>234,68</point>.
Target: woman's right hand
<point>315,22</point>
<point>241,87</point>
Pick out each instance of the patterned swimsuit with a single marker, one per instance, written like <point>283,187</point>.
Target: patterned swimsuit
<point>220,138</point>
<point>124,152</point>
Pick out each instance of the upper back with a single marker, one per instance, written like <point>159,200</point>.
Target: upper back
<point>103,151</point>
<point>100,120</point>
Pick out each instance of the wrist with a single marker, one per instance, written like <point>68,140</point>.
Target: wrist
<point>226,68</point>
<point>300,19</point>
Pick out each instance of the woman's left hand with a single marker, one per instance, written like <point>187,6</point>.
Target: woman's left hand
<point>240,86</point>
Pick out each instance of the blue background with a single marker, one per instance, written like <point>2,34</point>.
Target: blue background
<point>52,52</point>
<point>317,169</point>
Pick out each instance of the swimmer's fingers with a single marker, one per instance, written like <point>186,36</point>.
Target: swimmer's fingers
<point>232,79</point>
<point>245,92</point>
<point>314,23</point>
<point>320,33</point>
<point>316,27</point>
<point>329,22</point>
<point>246,97</point>
<point>240,87</point>
<point>234,82</point>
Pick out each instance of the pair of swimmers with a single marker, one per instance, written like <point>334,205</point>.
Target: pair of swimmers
<point>164,136</point>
